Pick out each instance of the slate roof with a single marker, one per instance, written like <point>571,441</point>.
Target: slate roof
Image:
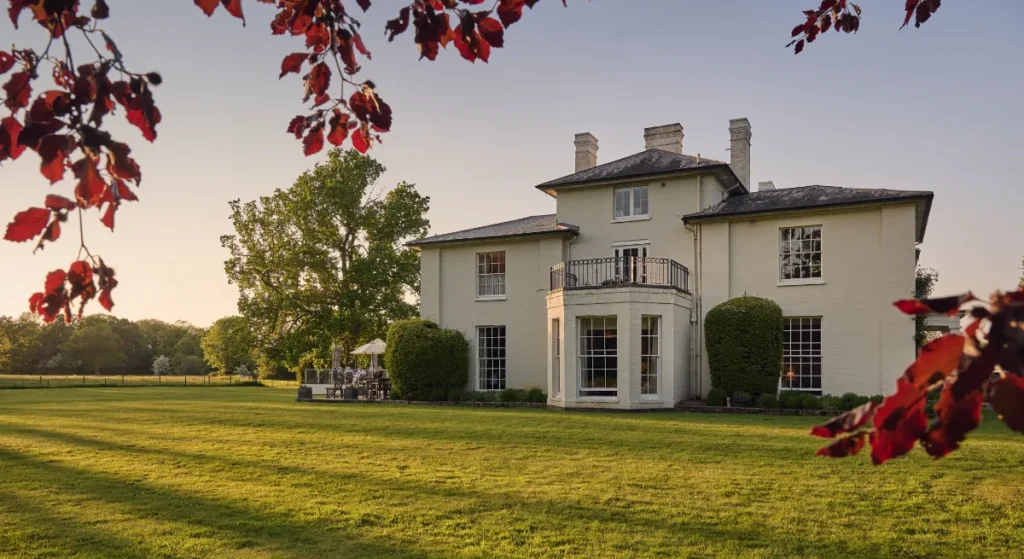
<point>812,197</point>
<point>645,163</point>
<point>527,226</point>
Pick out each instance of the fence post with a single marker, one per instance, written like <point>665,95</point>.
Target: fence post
<point>40,380</point>
<point>186,380</point>
<point>158,381</point>
<point>83,379</point>
<point>122,380</point>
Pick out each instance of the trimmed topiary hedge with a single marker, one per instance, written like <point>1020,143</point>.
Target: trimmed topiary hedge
<point>744,344</point>
<point>426,362</point>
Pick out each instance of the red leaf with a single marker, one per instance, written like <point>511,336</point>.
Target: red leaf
<point>145,118</point>
<point>106,282</point>
<point>339,128</point>
<point>91,186</point>
<point>956,418</point>
<point>509,11</point>
<point>292,63</point>
<point>369,107</point>
<point>899,422</point>
<point>120,165</point>
<point>364,4</point>
<point>941,305</point>
<point>10,130</point>
<point>49,105</point>
<point>847,446</point>
<point>80,278</point>
<point>1007,398</point>
<point>54,150</point>
<point>27,225</point>
<point>297,126</point>
<point>52,233</point>
<point>57,203</point>
<point>318,80</point>
<point>847,422</point>
<point>936,360</point>
<point>398,25</point>
<point>54,282</point>
<point>208,6</point>
<point>360,140</point>
<point>314,141</point>
<point>799,47</point>
<point>491,31</point>
<point>358,41</point>
<point>34,301</point>
<point>6,62</point>
<point>108,216</point>
<point>234,7</point>
<point>18,90</point>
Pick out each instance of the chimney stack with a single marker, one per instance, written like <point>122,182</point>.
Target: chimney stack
<point>586,151</point>
<point>766,185</point>
<point>739,158</point>
<point>668,137</point>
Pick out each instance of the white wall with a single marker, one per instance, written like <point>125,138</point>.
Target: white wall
<point>448,296</point>
<point>868,261</point>
<point>668,201</point>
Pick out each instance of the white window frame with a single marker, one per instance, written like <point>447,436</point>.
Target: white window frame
<point>799,357</point>
<point>651,357</point>
<point>490,285</point>
<point>633,195</point>
<point>603,354</point>
<point>820,279</point>
<point>488,363</point>
<point>556,357</point>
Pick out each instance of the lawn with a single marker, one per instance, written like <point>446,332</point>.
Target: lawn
<point>247,472</point>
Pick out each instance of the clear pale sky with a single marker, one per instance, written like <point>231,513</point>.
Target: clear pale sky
<point>936,108</point>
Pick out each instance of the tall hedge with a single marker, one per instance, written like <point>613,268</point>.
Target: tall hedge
<point>743,337</point>
<point>424,361</point>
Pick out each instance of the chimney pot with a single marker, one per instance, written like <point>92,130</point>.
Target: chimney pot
<point>739,149</point>
<point>586,151</point>
<point>668,137</point>
<point>765,185</point>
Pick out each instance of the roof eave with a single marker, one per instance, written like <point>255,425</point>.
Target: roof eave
<point>563,232</point>
<point>723,172</point>
<point>927,198</point>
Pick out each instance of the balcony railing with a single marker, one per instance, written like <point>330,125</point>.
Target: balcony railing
<point>626,271</point>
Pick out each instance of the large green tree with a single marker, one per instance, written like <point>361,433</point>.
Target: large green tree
<point>228,344</point>
<point>96,346</point>
<point>20,340</point>
<point>323,262</point>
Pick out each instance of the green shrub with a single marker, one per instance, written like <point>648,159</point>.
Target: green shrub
<point>810,402</point>
<point>768,401</point>
<point>851,400</point>
<point>456,395</point>
<point>482,396</point>
<point>717,397</point>
<point>834,403</point>
<point>191,365</point>
<point>536,395</point>
<point>789,400</point>
<point>510,395</point>
<point>741,398</point>
<point>877,398</point>
<point>426,362</point>
<point>744,344</point>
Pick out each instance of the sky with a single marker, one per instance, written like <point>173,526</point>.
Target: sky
<point>935,108</point>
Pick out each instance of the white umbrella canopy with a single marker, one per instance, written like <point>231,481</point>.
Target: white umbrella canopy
<point>375,347</point>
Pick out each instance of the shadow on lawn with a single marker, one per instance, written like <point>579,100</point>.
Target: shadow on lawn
<point>560,518</point>
<point>239,526</point>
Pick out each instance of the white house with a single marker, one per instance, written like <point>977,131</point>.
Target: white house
<point>603,302</point>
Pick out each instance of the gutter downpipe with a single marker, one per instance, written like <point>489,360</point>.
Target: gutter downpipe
<point>695,372</point>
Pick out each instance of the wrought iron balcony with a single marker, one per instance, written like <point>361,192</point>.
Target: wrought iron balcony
<point>626,271</point>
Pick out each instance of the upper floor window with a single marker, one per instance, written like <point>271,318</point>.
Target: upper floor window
<point>800,254</point>
<point>490,274</point>
<point>630,203</point>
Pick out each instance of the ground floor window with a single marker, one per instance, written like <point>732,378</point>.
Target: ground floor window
<point>490,351</point>
<point>801,354</point>
<point>599,356</point>
<point>650,353</point>
<point>556,355</point>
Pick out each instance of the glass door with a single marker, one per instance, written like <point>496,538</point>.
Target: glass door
<point>630,264</point>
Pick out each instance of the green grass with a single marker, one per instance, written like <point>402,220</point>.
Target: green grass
<point>247,472</point>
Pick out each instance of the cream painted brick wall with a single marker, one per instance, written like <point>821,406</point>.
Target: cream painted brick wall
<point>868,261</point>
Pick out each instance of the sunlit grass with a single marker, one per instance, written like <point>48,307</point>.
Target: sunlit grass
<point>247,472</point>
